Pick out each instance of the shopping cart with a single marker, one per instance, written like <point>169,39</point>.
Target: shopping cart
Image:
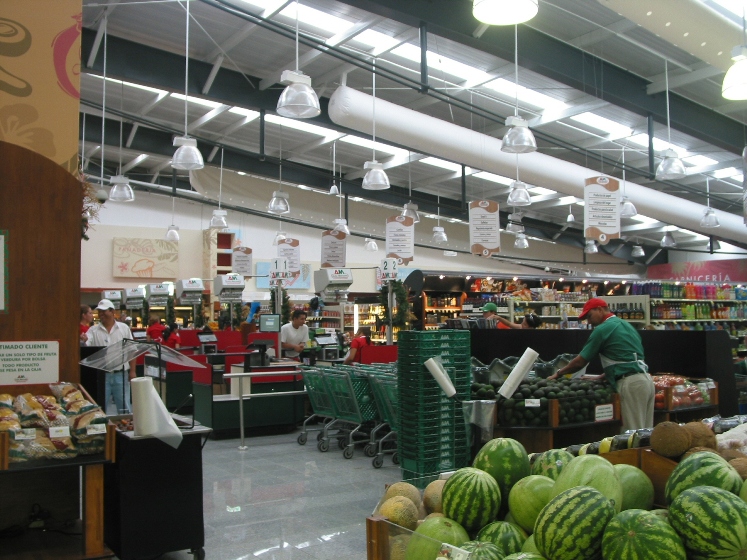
<point>321,403</point>
<point>386,397</point>
<point>354,406</point>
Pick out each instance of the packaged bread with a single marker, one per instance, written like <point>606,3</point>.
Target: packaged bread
<point>66,393</point>
<point>73,408</point>
<point>9,421</point>
<point>6,401</point>
<point>79,424</point>
<point>17,452</point>
<point>91,445</point>
<point>39,411</point>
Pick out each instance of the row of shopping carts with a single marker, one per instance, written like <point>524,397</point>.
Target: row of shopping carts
<point>356,405</point>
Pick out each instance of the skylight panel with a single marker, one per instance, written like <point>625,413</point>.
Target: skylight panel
<point>603,124</point>
<point>724,173</point>
<point>244,112</point>
<point>699,160</point>
<point>493,178</point>
<point>659,145</point>
<point>443,164</point>
<point>130,84</point>
<point>541,190</point>
<point>375,40</point>
<point>525,95</point>
<point>316,18</point>
<point>300,125</point>
<point>365,143</point>
<point>439,63</point>
<point>644,219</point>
<point>271,5</point>
<point>567,200</point>
<point>197,100</point>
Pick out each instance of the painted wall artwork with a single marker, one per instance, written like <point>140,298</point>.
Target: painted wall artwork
<point>144,258</point>
<point>301,282</point>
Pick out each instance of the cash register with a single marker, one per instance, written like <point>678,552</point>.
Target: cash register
<point>208,342</point>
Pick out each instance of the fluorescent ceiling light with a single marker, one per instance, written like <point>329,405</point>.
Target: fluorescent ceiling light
<point>644,219</point>
<point>492,177</point>
<point>525,95</point>
<point>443,164</point>
<point>375,40</point>
<point>130,84</point>
<point>442,63</point>
<point>365,143</point>
<point>603,124</point>
<point>581,203</point>
<point>317,18</point>
<point>244,112</point>
<point>541,190</point>
<point>567,200</point>
<point>733,6</point>
<point>301,125</point>
<point>723,173</point>
<point>659,145</point>
<point>739,177</point>
<point>271,5</point>
<point>699,160</point>
<point>197,100</point>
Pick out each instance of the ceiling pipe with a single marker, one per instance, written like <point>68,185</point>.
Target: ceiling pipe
<point>353,109</point>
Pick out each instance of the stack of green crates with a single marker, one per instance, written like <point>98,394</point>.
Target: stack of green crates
<point>433,436</point>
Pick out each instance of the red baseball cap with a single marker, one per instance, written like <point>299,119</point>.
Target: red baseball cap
<point>593,303</point>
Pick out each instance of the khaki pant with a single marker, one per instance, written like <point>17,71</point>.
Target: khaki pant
<point>637,401</point>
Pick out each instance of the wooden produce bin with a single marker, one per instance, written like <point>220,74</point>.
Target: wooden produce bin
<point>658,469</point>
<point>673,413</point>
<point>53,484</point>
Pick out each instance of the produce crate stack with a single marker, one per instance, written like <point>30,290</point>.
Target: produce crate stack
<point>432,436</point>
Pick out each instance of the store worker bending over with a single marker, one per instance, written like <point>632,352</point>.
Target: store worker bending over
<point>293,335</point>
<point>620,350</point>
<point>108,332</point>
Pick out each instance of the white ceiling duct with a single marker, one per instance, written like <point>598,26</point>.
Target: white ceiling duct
<point>353,109</point>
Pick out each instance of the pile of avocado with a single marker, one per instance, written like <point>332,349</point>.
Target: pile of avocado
<point>484,391</point>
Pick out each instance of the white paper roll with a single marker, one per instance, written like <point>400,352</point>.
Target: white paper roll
<point>149,415</point>
<point>521,369</point>
<point>442,378</point>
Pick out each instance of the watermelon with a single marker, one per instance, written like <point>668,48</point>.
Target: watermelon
<point>506,460</point>
<point>525,556</point>
<point>482,550</point>
<point>638,490</point>
<point>635,533</point>
<point>426,541</point>
<point>702,469</point>
<point>712,523</point>
<point>471,497</point>
<point>594,471</point>
<point>551,462</point>
<point>527,498</point>
<point>507,537</point>
<point>571,525</point>
<point>743,491</point>
<point>529,545</point>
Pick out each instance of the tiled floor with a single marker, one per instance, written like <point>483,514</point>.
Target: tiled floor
<point>282,501</point>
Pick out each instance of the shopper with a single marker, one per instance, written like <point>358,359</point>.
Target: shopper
<point>530,321</point>
<point>170,337</point>
<point>294,335</point>
<point>620,350</point>
<point>155,329</point>
<point>86,318</point>
<point>109,332</point>
<point>362,338</point>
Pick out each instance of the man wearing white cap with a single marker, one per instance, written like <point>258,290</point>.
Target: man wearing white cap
<point>107,332</point>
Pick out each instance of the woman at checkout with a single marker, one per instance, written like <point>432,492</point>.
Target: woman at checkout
<point>362,338</point>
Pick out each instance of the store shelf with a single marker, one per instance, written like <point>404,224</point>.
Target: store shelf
<point>443,308</point>
<point>699,320</point>
<point>675,300</point>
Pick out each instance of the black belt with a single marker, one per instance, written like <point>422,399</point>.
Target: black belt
<point>630,373</point>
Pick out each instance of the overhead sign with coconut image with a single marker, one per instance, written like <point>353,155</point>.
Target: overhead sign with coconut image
<point>602,209</point>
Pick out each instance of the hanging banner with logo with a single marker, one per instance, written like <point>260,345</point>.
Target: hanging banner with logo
<point>241,261</point>
<point>400,239</point>
<point>333,249</point>
<point>484,228</point>
<point>602,209</point>
<point>290,249</point>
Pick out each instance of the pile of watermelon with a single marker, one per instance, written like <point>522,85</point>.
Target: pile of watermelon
<point>584,507</point>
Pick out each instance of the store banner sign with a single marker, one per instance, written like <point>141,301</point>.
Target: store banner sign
<point>333,249</point>
<point>484,228</point>
<point>241,261</point>
<point>290,249</point>
<point>727,271</point>
<point>29,362</point>
<point>400,239</point>
<point>144,258</point>
<point>602,209</point>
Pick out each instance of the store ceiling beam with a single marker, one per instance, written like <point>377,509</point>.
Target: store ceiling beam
<point>549,116</point>
<point>618,28</point>
<point>659,85</point>
<point>564,63</point>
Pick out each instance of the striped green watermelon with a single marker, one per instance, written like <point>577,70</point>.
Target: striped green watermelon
<point>594,471</point>
<point>712,523</point>
<point>507,537</point>
<point>638,490</point>
<point>527,498</point>
<point>506,460</point>
<point>571,525</point>
<point>425,542</point>
<point>525,556</point>
<point>702,469</point>
<point>551,462</point>
<point>529,545</point>
<point>482,550</point>
<point>743,491</point>
<point>635,533</point>
<point>471,497</point>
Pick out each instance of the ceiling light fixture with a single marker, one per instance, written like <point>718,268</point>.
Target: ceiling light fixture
<point>298,100</point>
<point>668,241</point>
<point>521,241</point>
<point>410,209</point>
<point>591,247</point>
<point>713,245</point>
<point>671,167</point>
<point>371,245</point>
<point>570,218</point>
<point>279,201</point>
<point>341,224</point>
<point>121,190</point>
<point>504,12</point>
<point>709,219</point>
<point>218,221</point>
<point>375,178</point>
<point>519,139</point>
<point>627,208</point>
<point>514,222</point>
<point>187,157</point>
<point>279,236</point>
<point>172,234</point>
<point>637,252</point>
<point>333,189</point>
<point>439,235</point>
<point>519,195</point>
<point>734,86</point>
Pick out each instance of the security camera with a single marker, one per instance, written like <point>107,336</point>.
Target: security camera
<point>101,195</point>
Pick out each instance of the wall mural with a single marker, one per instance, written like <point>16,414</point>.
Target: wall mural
<point>144,258</point>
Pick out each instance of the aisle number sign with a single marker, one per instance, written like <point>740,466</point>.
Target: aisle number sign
<point>388,269</point>
<point>279,271</point>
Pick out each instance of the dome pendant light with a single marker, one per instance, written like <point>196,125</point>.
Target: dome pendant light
<point>333,188</point>
<point>279,201</point>
<point>521,241</point>
<point>121,190</point>
<point>514,222</point>
<point>279,236</point>
<point>734,86</point>
<point>298,100</point>
<point>519,139</point>
<point>371,245</point>
<point>187,157</point>
<point>637,252</point>
<point>410,209</point>
<point>591,247</point>
<point>218,221</point>
<point>668,241</point>
<point>570,218</point>
<point>671,167</point>
<point>375,178</point>
<point>504,12</point>
<point>627,208</point>
<point>709,219</point>
<point>439,235</point>
<point>172,234</point>
<point>341,224</point>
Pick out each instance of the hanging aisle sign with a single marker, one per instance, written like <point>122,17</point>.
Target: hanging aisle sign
<point>388,269</point>
<point>400,239</point>
<point>484,228</point>
<point>241,261</point>
<point>290,249</point>
<point>279,273</point>
<point>602,209</point>
<point>333,249</point>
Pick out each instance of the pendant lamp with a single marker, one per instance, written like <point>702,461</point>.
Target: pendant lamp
<point>218,221</point>
<point>671,167</point>
<point>734,86</point>
<point>172,234</point>
<point>298,100</point>
<point>187,157</point>
<point>514,223</point>
<point>375,178</point>
<point>333,188</point>
<point>504,12</point>
<point>371,245</point>
<point>637,251</point>
<point>121,190</point>
<point>709,219</point>
<point>668,241</point>
<point>439,235</point>
<point>570,218</point>
<point>521,241</point>
<point>627,208</point>
<point>714,245</point>
<point>519,139</point>
<point>341,224</point>
<point>519,195</point>
<point>410,209</point>
<point>279,236</point>
<point>591,247</point>
<point>279,202</point>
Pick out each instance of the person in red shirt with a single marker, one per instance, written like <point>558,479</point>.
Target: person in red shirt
<point>155,329</point>
<point>86,318</point>
<point>362,338</point>
<point>170,337</point>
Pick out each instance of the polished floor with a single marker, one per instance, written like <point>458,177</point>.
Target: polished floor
<point>279,500</point>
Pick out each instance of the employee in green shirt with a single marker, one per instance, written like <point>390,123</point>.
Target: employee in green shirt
<point>620,350</point>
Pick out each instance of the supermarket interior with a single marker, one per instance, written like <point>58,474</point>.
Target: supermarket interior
<point>373,280</point>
